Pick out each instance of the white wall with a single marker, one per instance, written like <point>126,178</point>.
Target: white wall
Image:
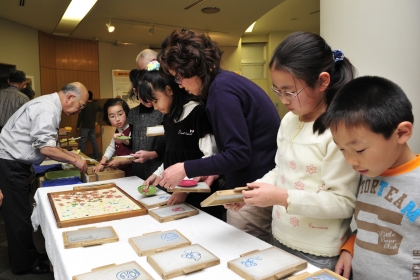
<point>19,46</point>
<point>111,56</point>
<point>380,38</point>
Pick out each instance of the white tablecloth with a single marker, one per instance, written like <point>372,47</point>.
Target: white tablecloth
<point>223,240</point>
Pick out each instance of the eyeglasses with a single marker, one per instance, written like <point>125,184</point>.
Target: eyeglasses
<point>82,106</point>
<point>178,80</point>
<point>286,94</point>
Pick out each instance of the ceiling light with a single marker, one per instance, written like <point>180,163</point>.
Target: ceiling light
<point>210,10</point>
<point>152,30</point>
<point>75,12</point>
<point>111,28</point>
<point>250,27</point>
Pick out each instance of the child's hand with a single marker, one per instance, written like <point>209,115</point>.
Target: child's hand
<point>343,266</point>
<point>142,156</point>
<point>118,141</point>
<point>177,198</point>
<point>152,180</point>
<point>98,168</point>
<point>114,163</point>
<point>234,206</point>
<point>263,195</point>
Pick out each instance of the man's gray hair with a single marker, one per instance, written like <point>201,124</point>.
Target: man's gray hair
<point>146,55</point>
<point>73,88</point>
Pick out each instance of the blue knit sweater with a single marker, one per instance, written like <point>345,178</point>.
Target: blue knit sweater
<point>245,124</point>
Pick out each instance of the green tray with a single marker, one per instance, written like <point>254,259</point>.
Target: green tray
<point>51,175</point>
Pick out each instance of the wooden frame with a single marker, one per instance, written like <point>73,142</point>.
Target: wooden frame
<point>78,214</point>
<point>156,242</point>
<point>224,197</point>
<point>324,274</point>
<point>180,261</point>
<point>84,237</point>
<point>129,270</point>
<point>166,213</point>
<point>259,264</point>
<point>200,188</point>
<point>154,201</point>
<point>155,131</point>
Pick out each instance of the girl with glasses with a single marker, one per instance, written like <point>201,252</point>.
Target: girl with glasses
<point>312,189</point>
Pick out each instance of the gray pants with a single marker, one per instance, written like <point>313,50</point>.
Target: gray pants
<point>318,261</point>
<point>253,220</point>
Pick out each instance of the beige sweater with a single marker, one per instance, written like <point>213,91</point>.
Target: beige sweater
<point>321,187</point>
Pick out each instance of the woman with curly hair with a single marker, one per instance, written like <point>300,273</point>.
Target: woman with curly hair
<point>244,121</point>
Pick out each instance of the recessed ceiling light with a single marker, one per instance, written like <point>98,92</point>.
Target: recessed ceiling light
<point>210,10</point>
<point>249,29</point>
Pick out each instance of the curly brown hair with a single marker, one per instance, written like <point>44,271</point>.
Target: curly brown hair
<point>188,54</point>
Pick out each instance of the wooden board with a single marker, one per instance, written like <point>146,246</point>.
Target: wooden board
<point>93,204</point>
<point>155,242</point>
<point>180,261</point>
<point>200,188</point>
<point>173,212</point>
<point>271,263</point>
<point>155,201</point>
<point>84,237</point>
<point>224,197</point>
<point>323,274</point>
<point>155,131</point>
<point>129,270</point>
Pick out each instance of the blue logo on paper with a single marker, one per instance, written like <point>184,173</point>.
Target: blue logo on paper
<point>251,262</point>
<point>191,255</point>
<point>164,197</point>
<point>128,274</point>
<point>170,236</point>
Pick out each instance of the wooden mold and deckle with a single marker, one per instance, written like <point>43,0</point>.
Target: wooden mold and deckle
<point>156,242</point>
<point>323,274</point>
<point>124,271</point>
<point>90,236</point>
<point>272,263</point>
<point>200,188</point>
<point>155,130</point>
<point>180,261</point>
<point>93,204</point>
<point>173,212</point>
<point>155,201</point>
<point>224,197</point>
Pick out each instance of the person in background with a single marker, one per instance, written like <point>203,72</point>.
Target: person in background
<point>28,91</point>
<point>115,114</point>
<point>244,120</point>
<point>188,132</point>
<point>312,188</point>
<point>371,121</point>
<point>144,57</point>
<point>11,98</point>
<point>148,151</point>
<point>86,125</point>
<point>28,137</point>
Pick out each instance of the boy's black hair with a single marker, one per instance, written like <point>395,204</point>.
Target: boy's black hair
<point>372,102</point>
<point>112,102</point>
<point>152,80</point>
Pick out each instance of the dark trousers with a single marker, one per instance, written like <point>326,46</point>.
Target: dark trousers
<point>17,215</point>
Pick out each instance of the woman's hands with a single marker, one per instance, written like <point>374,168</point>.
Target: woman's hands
<point>172,176</point>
